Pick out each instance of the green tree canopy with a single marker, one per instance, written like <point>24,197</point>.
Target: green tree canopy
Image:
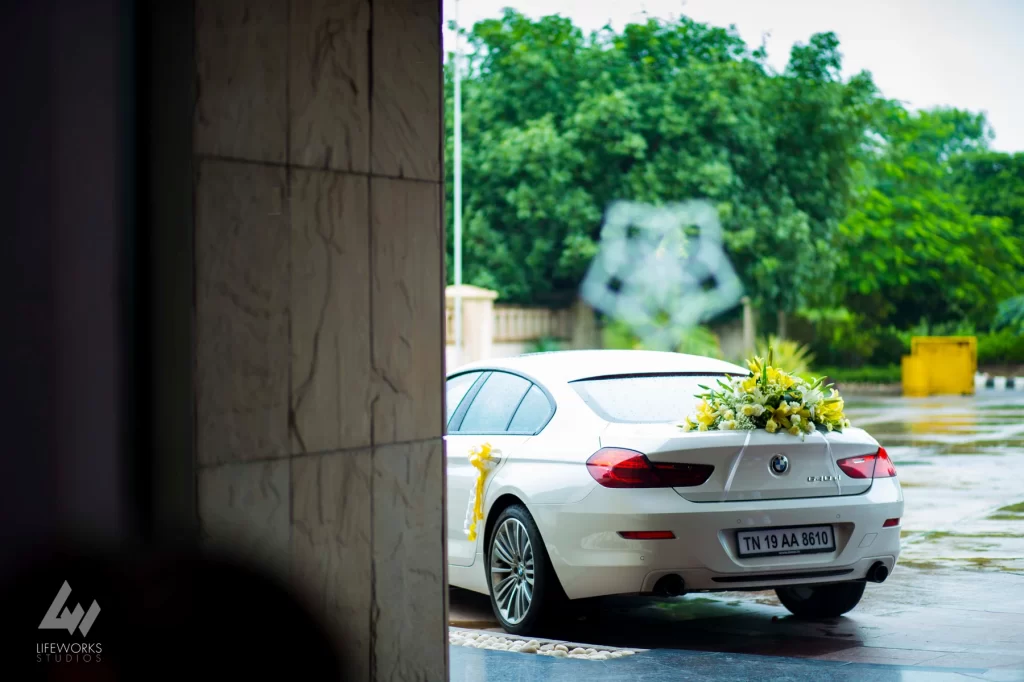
<point>557,125</point>
<point>830,195</point>
<point>913,248</point>
<point>993,184</point>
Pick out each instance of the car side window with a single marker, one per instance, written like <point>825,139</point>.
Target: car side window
<point>494,404</point>
<point>533,412</point>
<point>455,390</point>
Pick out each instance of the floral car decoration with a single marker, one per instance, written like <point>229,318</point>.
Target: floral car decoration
<point>769,399</point>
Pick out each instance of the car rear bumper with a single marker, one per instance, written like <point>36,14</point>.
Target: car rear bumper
<point>700,579</point>
<point>591,559</point>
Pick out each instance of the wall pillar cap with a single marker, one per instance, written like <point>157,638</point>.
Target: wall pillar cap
<point>468,291</point>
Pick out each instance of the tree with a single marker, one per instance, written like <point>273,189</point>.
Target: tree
<point>557,125</point>
<point>993,184</point>
<point>913,247</point>
<point>821,124</point>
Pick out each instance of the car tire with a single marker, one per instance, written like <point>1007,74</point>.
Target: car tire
<point>821,601</point>
<point>514,549</point>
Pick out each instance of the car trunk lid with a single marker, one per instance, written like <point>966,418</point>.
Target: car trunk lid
<point>743,460</point>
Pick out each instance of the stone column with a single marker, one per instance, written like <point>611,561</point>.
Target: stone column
<point>318,322</point>
<point>477,321</point>
<point>585,332</point>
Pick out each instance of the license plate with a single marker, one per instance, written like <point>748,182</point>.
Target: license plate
<point>779,541</point>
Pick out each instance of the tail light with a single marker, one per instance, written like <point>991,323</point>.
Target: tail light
<point>869,466</point>
<point>884,468</point>
<point>621,468</point>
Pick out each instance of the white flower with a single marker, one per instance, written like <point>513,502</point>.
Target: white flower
<point>758,410</point>
<point>727,425</point>
<point>795,419</point>
<point>702,427</point>
<point>812,396</point>
<point>794,405</point>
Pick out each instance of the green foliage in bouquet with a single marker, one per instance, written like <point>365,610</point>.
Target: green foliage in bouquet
<point>793,355</point>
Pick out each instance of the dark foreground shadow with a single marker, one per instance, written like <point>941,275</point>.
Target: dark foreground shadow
<point>183,615</point>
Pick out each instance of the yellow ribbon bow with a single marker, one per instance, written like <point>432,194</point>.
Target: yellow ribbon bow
<point>483,459</point>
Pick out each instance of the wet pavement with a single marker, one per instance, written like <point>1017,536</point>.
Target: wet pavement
<point>952,609</point>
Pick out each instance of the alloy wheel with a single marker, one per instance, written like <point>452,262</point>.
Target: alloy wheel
<point>512,570</point>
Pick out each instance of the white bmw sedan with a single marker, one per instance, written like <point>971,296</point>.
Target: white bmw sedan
<point>597,491</point>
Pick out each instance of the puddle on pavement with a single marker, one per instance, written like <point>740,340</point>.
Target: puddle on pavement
<point>939,534</point>
<point>1011,512</point>
<point>936,447</point>
<point>982,448</point>
<point>906,428</point>
<point>920,564</point>
<point>974,545</point>
<point>692,607</point>
<point>986,563</point>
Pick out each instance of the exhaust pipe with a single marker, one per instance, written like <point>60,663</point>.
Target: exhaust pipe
<point>878,572</point>
<point>671,585</point>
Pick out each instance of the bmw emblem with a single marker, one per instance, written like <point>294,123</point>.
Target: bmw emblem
<point>779,464</point>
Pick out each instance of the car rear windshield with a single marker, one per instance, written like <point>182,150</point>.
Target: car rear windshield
<point>644,399</point>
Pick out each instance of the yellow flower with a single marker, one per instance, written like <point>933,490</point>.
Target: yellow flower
<point>831,410</point>
<point>794,430</point>
<point>771,426</point>
<point>749,384</point>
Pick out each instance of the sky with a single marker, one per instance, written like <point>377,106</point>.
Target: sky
<point>968,53</point>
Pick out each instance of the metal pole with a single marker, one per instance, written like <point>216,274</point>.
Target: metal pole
<point>457,200</point>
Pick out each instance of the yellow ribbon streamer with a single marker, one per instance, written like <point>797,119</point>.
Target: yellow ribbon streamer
<point>483,460</point>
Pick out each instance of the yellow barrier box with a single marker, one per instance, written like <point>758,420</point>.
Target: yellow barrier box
<point>940,365</point>
<point>915,376</point>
